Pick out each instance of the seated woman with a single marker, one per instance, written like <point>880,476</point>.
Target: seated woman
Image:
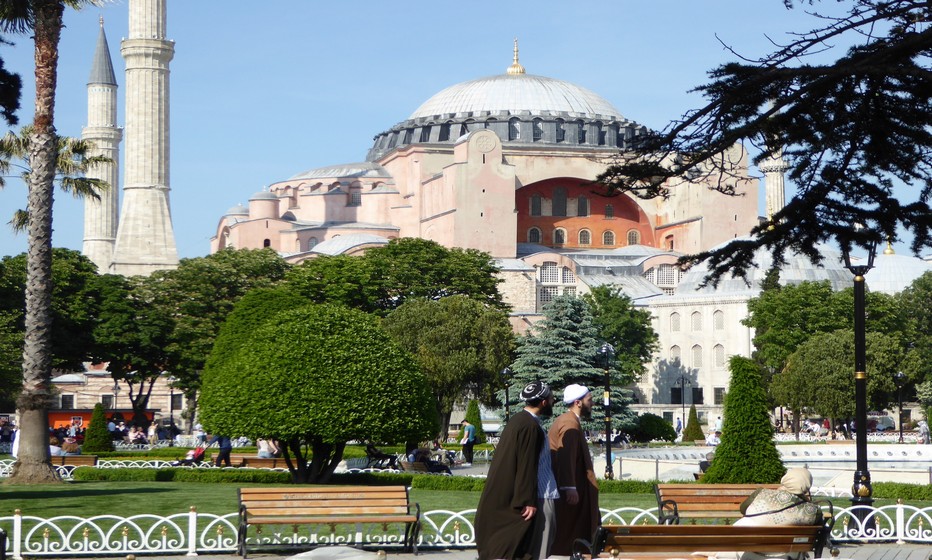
<point>422,455</point>
<point>54,447</point>
<point>791,504</point>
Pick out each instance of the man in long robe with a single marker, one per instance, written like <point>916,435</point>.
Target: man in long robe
<point>505,516</point>
<point>578,507</point>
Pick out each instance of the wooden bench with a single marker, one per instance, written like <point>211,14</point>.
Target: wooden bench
<point>327,505</point>
<point>74,460</point>
<point>251,461</point>
<point>417,467</point>
<point>664,540</point>
<point>702,501</point>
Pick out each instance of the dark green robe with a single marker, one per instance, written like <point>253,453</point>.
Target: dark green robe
<point>501,532</point>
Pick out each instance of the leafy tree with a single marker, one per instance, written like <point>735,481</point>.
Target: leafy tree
<point>97,438</point>
<point>314,378</point>
<point>693,431</point>
<point>651,427</point>
<point>131,336</point>
<point>563,349</point>
<point>850,130</point>
<point>340,279</point>
<point>747,454</point>
<point>11,353</point>
<point>199,295</point>
<point>794,391</point>
<point>822,370</point>
<point>460,343</point>
<point>43,18</point>
<point>474,417</point>
<point>625,327</point>
<point>916,307</point>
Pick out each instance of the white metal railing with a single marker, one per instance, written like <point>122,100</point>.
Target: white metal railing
<point>194,533</point>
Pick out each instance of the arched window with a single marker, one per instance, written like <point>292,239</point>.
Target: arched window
<point>585,238</point>
<point>561,131</point>
<point>409,132</point>
<point>608,238</point>
<point>609,211</point>
<point>549,273</point>
<point>538,130</point>
<point>582,206</point>
<point>267,243</point>
<point>718,320</point>
<point>559,202</point>
<point>634,237</point>
<point>581,139</point>
<point>718,355</point>
<point>696,321</point>
<point>675,354</point>
<point>674,322</point>
<point>311,243</point>
<point>697,356</point>
<point>536,201</point>
<point>444,132</point>
<point>559,236</point>
<point>425,134</point>
<point>355,197</point>
<point>601,132</point>
<point>514,129</point>
<point>464,130</point>
<point>533,235</point>
<point>568,276</point>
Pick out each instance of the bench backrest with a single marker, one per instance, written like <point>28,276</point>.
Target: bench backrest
<point>327,501</point>
<point>697,538</point>
<point>718,501</point>
<point>74,460</point>
<point>416,466</point>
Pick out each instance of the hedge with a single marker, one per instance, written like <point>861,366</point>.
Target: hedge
<point>182,474</point>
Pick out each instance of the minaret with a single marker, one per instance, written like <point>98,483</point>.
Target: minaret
<point>774,168</point>
<point>100,216</point>
<point>145,239</point>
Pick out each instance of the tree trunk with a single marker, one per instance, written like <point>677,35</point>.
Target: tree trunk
<point>33,464</point>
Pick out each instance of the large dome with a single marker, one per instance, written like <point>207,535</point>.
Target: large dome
<point>517,93</point>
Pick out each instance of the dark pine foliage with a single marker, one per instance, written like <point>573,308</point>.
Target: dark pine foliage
<point>96,437</point>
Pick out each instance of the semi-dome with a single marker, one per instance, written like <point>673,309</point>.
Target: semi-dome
<point>263,195</point>
<point>515,94</point>
<point>894,273</point>
<point>238,210</point>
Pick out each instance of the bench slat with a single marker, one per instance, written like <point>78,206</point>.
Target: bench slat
<point>324,520</point>
<point>333,510</point>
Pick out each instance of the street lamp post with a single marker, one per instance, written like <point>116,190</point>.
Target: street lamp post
<point>116,391</point>
<point>607,352</point>
<point>506,373</point>
<point>171,411</point>
<point>861,490</point>
<point>899,378</point>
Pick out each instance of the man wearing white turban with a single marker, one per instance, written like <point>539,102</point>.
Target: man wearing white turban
<point>578,507</point>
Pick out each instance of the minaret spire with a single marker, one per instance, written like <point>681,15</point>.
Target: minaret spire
<point>145,239</point>
<point>515,67</point>
<point>774,168</point>
<point>101,216</point>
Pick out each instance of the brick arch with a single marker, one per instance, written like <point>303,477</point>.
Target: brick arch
<point>627,215</point>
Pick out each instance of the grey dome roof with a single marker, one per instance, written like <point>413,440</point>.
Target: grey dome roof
<point>238,210</point>
<point>893,273</point>
<point>513,93</point>
<point>263,195</point>
<point>798,268</point>
<point>345,171</point>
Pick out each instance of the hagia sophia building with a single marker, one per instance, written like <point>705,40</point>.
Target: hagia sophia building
<point>502,164</point>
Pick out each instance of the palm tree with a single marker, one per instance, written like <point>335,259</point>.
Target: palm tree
<point>43,18</point>
<point>71,164</point>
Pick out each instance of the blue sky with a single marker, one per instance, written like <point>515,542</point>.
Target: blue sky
<point>261,92</point>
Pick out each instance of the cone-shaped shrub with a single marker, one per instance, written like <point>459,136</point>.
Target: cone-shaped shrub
<point>747,454</point>
<point>96,436</point>
<point>474,417</point>
<point>693,431</point>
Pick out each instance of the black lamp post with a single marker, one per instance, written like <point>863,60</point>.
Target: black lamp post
<point>861,490</point>
<point>506,373</point>
<point>899,378</point>
<point>171,411</point>
<point>606,353</point>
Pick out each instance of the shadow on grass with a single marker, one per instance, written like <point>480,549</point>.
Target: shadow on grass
<point>10,492</point>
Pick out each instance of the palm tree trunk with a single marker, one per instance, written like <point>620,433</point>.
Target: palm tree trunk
<point>33,464</point>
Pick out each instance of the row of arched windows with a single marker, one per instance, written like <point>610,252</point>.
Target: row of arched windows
<point>584,237</point>
<point>695,321</point>
<point>718,356</point>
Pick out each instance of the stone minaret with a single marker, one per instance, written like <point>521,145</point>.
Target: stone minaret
<point>145,239</point>
<point>100,216</point>
<point>774,168</point>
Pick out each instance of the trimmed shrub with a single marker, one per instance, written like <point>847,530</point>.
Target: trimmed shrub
<point>693,431</point>
<point>652,427</point>
<point>747,454</point>
<point>906,492</point>
<point>97,438</point>
<point>182,474</point>
<point>475,418</point>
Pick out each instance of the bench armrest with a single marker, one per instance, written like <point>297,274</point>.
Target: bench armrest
<point>668,513</point>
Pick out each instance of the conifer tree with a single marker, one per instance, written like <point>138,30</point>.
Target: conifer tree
<point>693,431</point>
<point>564,349</point>
<point>474,417</point>
<point>747,454</point>
<point>96,436</point>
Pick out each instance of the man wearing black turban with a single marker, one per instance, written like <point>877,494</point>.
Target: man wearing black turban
<point>505,517</point>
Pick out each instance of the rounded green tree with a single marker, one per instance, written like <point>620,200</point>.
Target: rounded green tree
<point>314,378</point>
<point>652,427</point>
<point>96,436</point>
<point>747,454</point>
<point>693,431</point>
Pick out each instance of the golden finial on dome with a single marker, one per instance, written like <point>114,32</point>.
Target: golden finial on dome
<point>515,67</point>
<point>889,250</point>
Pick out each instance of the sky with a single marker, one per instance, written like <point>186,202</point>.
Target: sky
<point>260,95</point>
